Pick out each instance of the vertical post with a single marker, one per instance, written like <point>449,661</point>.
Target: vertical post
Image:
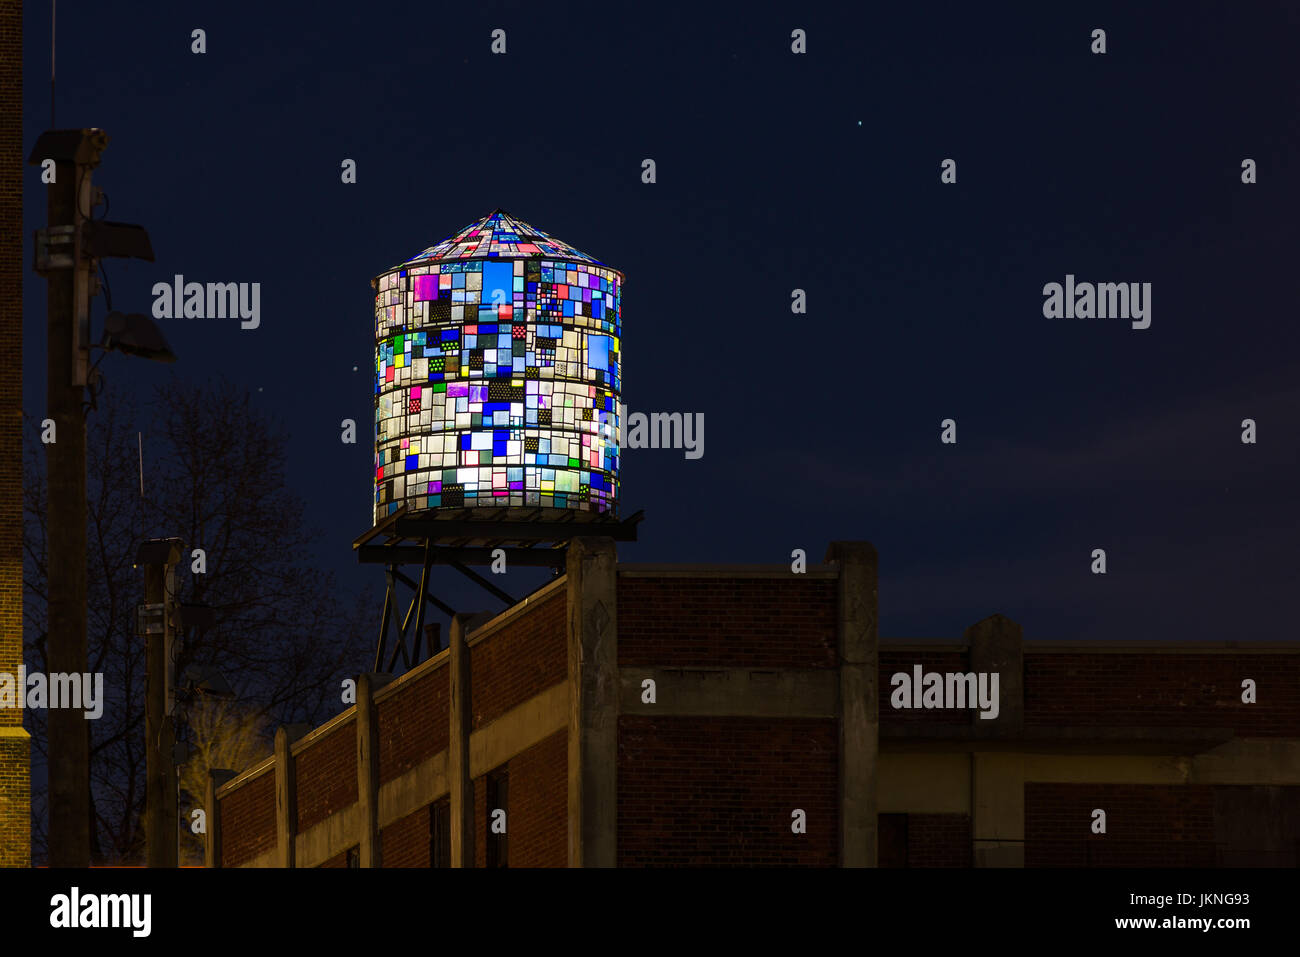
<point>998,809</point>
<point>592,569</point>
<point>460,724</point>
<point>212,808</point>
<point>998,778</point>
<point>997,647</point>
<point>859,734</point>
<point>162,826</point>
<point>286,793</point>
<point>370,848</point>
<point>67,309</point>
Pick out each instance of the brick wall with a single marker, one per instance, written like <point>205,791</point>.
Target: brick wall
<point>406,841</point>
<point>938,840</point>
<point>720,791</point>
<point>727,622</point>
<point>537,823</point>
<point>1164,690</point>
<point>412,723</point>
<point>480,822</point>
<point>522,659</point>
<point>248,820</point>
<point>326,776</point>
<point>1147,825</point>
<point>15,749</point>
<point>893,661</point>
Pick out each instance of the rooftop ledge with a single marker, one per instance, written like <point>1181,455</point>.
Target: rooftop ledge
<point>1072,739</point>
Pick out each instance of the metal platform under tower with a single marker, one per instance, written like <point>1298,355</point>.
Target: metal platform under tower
<point>461,538</point>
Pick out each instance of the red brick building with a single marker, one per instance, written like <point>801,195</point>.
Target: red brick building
<point>634,715</point>
<point>15,747</point>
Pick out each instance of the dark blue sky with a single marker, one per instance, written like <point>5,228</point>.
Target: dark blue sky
<point>775,172</point>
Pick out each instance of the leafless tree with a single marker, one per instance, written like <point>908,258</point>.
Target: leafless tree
<point>284,637</point>
<point>223,734</point>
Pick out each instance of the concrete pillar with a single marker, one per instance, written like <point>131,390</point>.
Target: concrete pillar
<point>997,647</point>
<point>460,723</point>
<point>368,768</point>
<point>591,569</point>
<point>858,637</point>
<point>998,809</point>
<point>286,792</point>
<point>212,809</point>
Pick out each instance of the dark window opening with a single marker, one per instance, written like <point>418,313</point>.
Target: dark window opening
<point>440,833</point>
<point>891,835</point>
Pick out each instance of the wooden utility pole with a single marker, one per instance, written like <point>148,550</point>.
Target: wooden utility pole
<point>162,825</point>
<point>67,270</point>
<point>68,251</point>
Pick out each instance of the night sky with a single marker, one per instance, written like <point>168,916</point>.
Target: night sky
<point>775,171</point>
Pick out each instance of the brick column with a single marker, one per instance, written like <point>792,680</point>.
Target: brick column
<point>858,636</point>
<point>460,724</point>
<point>15,748</point>
<point>593,702</point>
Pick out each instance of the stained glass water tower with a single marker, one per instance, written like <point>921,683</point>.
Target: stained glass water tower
<point>497,374</point>
<point>497,382</point>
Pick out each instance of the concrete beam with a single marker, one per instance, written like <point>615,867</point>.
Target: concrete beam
<point>780,570</point>
<point>520,728</point>
<point>269,858</point>
<point>924,783</point>
<point>1249,761</point>
<point>593,702</point>
<point>858,634</point>
<point>328,838</point>
<point>897,736</point>
<point>419,787</point>
<point>732,692</point>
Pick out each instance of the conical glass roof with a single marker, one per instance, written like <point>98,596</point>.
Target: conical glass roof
<point>500,235</point>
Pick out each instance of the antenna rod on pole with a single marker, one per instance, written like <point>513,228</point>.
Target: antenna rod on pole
<point>53,9</point>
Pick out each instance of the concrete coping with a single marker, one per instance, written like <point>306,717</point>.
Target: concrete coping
<point>247,775</point>
<point>1166,647</point>
<point>423,668</point>
<point>431,664</point>
<point>315,734</point>
<point>651,570</point>
<point>1106,647</point>
<point>923,644</point>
